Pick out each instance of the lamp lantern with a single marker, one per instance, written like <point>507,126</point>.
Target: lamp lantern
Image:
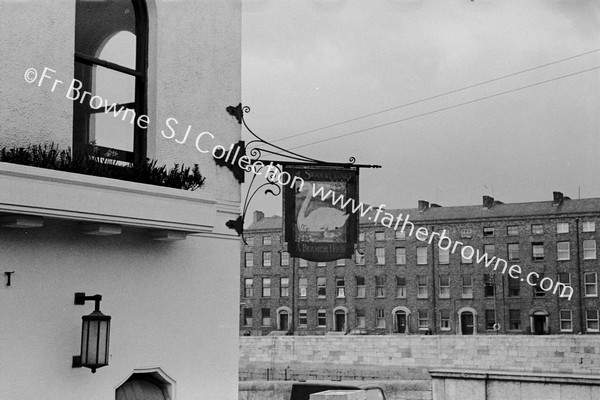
<point>95,335</point>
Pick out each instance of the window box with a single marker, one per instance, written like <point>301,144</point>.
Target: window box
<point>75,197</point>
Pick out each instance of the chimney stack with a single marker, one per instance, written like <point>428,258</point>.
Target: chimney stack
<point>488,202</point>
<point>557,198</point>
<point>423,205</point>
<point>258,215</point>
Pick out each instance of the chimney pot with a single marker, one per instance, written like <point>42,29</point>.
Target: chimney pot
<point>488,202</point>
<point>557,198</point>
<point>258,215</point>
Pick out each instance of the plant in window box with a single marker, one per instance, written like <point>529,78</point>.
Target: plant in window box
<point>104,165</point>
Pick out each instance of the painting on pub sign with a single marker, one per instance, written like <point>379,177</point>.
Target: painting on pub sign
<point>315,228</point>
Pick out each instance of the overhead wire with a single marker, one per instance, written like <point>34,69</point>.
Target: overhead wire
<point>436,96</point>
<point>446,108</point>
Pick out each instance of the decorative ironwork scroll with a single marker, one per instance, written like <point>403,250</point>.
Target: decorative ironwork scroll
<point>252,157</point>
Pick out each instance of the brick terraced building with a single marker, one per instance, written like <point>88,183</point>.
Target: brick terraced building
<point>403,285</point>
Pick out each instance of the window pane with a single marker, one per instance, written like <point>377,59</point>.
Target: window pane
<point>421,255</point>
<point>513,251</point>
<point>562,251</point>
<point>400,255</point>
<point>589,226</point>
<point>118,16</point>
<point>380,255</point>
<point>512,230</point>
<point>562,227</point>
<point>589,249</point>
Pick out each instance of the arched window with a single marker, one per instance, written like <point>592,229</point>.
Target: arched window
<point>111,57</point>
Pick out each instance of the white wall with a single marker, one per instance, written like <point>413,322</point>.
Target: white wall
<point>174,304</point>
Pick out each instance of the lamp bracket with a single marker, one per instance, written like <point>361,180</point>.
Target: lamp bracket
<point>81,298</point>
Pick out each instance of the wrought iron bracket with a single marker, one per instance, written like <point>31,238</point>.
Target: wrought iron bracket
<point>254,151</point>
<point>231,159</point>
<point>237,112</point>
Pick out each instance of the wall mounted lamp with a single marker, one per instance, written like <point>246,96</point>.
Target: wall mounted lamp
<point>95,334</point>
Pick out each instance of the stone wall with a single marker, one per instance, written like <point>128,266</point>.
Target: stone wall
<point>412,356</point>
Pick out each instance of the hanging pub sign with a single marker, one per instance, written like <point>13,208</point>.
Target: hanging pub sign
<point>318,218</point>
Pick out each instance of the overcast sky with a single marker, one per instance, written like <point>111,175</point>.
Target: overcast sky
<point>312,63</point>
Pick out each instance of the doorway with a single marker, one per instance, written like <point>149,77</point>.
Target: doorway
<point>539,323</point>
<point>467,326</point>
<point>340,321</point>
<point>284,322</point>
<point>401,322</point>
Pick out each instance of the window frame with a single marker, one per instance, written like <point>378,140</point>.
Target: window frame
<point>422,287</point>
<point>361,320</point>
<point>444,286</point>
<point>380,258</point>
<point>380,318</point>
<point>361,289</point>
<point>467,290</point>
<point>422,258</point>
<point>466,233</point>
<point>379,286</point>
<point>490,322</point>
<point>400,255</point>
<point>561,320</point>
<point>512,230</point>
<point>489,285</point>
<point>400,287</point>
<point>284,289</point>
<point>588,320</point>
<point>249,259</point>
<point>560,227</point>
<point>302,318</point>
<point>512,320</point>
<point>248,287</point>
<point>514,284</point>
<point>443,256</point>
<point>266,287</point>
<point>266,259</point>
<point>284,259</point>
<point>340,290</point>
<point>267,240</point>
<point>321,287</point>
<point>445,320</point>
<point>537,229</point>
<point>587,284</point>
<point>321,317</point>
<point>263,317</point>
<point>489,231</point>
<point>588,226</point>
<point>423,319</point>
<point>303,288</point>
<point>512,252</point>
<point>82,115</point>
<point>562,252</point>
<point>247,315</point>
<point>588,250</point>
<point>538,245</point>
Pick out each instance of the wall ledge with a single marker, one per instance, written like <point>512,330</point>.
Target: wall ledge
<point>516,376</point>
<point>69,196</point>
